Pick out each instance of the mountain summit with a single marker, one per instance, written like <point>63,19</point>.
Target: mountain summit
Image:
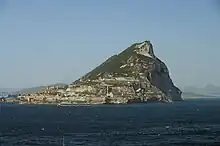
<point>134,75</point>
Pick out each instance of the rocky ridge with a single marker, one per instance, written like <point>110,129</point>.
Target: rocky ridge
<point>134,75</point>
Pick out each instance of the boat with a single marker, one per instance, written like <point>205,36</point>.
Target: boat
<point>60,104</point>
<point>66,104</point>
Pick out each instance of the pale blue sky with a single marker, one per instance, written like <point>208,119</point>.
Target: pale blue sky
<point>49,41</point>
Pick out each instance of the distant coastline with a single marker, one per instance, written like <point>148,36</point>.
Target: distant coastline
<point>197,95</point>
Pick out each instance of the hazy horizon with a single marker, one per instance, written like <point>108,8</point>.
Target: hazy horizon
<point>47,42</point>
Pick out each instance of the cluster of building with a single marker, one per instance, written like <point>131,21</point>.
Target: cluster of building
<point>98,91</point>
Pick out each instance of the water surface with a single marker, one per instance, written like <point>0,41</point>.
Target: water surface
<point>192,122</point>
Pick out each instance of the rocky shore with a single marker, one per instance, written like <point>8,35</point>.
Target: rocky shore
<point>134,75</point>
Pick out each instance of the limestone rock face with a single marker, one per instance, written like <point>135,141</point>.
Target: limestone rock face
<point>135,74</point>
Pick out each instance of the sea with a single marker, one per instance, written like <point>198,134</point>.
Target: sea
<point>194,122</point>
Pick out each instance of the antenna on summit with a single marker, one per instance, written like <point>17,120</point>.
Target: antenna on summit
<point>63,144</point>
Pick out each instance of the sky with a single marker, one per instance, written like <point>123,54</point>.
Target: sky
<point>52,41</point>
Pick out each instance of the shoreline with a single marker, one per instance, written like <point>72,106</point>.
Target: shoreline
<point>81,103</point>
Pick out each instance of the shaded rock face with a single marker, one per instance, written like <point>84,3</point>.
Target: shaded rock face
<point>161,79</point>
<point>135,74</point>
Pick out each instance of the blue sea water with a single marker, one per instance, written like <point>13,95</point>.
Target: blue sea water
<point>192,122</point>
